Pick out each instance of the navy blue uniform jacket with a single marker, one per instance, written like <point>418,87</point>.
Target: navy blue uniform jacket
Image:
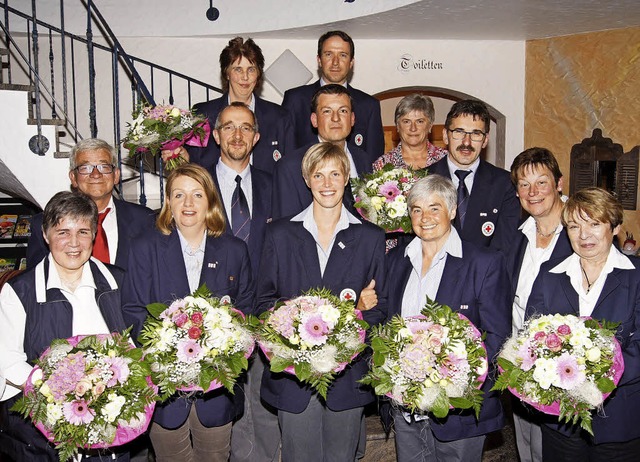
<point>133,220</point>
<point>274,124</point>
<point>289,267</point>
<point>492,204</point>
<point>367,133</point>
<point>619,301</point>
<point>291,195</point>
<point>477,286</point>
<point>157,274</point>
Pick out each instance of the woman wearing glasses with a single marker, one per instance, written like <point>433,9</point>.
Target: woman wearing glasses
<point>190,248</point>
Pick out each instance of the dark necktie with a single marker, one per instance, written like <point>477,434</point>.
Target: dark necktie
<point>463,196</point>
<point>100,244</point>
<point>240,216</point>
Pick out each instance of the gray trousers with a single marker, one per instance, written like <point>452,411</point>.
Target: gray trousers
<point>415,442</point>
<point>528,439</point>
<point>319,434</point>
<point>255,437</point>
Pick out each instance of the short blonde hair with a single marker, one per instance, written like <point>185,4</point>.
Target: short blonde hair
<point>214,219</point>
<point>319,154</point>
<point>596,203</point>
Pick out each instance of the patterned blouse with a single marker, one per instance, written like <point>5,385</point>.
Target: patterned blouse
<point>434,154</point>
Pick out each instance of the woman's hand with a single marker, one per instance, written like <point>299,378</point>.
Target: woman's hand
<point>368,298</point>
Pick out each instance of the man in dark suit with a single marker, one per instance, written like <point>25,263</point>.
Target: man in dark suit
<point>93,170</point>
<point>255,436</point>
<point>334,119</point>
<point>488,209</point>
<point>335,61</point>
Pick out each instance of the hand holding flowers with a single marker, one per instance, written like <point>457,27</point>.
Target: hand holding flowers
<point>166,128</point>
<point>381,197</point>
<point>197,343</point>
<point>89,392</point>
<point>313,336</point>
<point>429,363</point>
<point>562,365</point>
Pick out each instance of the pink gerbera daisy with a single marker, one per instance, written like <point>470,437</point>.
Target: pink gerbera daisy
<point>189,351</point>
<point>569,372</point>
<point>314,330</point>
<point>389,190</point>
<point>78,412</point>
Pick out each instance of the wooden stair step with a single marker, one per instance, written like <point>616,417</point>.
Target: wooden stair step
<point>59,122</point>
<point>17,87</point>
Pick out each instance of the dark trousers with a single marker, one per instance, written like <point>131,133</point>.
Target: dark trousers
<point>557,447</point>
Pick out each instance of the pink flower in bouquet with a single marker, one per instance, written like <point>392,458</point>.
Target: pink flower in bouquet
<point>98,389</point>
<point>180,319</point>
<point>314,330</point>
<point>69,371</point>
<point>82,387</point>
<point>540,337</point>
<point>120,370</point>
<point>435,344</point>
<point>189,351</point>
<point>416,361</point>
<point>417,327</point>
<point>197,319</point>
<point>527,355</point>
<point>177,305</point>
<point>436,329</point>
<point>195,332</point>
<point>553,342</point>
<point>282,320</point>
<point>308,304</point>
<point>389,190</point>
<point>564,330</point>
<point>569,372</point>
<point>78,412</point>
<point>404,179</point>
<point>451,364</point>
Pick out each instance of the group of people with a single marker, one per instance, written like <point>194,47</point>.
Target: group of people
<point>265,212</point>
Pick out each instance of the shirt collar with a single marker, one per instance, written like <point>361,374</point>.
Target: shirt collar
<point>54,281</point>
<point>453,167</point>
<point>184,245</point>
<point>251,105</point>
<point>346,218</point>
<point>226,173</point>
<point>323,83</point>
<point>615,259</point>
<point>110,206</point>
<point>452,246</point>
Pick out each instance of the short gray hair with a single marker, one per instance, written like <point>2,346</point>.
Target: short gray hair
<point>91,144</point>
<point>433,184</point>
<point>72,204</point>
<point>415,102</point>
<point>218,125</point>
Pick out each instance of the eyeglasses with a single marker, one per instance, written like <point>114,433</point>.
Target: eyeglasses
<point>229,128</point>
<point>87,169</point>
<point>460,134</point>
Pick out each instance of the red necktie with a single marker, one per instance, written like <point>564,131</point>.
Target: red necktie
<point>101,245</point>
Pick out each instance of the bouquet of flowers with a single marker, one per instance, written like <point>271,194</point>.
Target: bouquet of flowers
<point>89,392</point>
<point>562,365</point>
<point>197,343</point>
<point>313,337</point>
<point>381,197</point>
<point>429,363</point>
<point>165,127</point>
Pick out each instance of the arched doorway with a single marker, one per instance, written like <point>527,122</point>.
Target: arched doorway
<point>443,99</point>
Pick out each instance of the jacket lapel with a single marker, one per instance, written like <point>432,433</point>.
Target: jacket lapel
<point>453,277</point>
<point>341,257</point>
<point>571,296</point>
<point>173,262</point>
<point>610,285</point>
<point>306,245</point>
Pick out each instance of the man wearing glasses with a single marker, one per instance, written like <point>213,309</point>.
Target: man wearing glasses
<point>93,170</point>
<point>488,209</point>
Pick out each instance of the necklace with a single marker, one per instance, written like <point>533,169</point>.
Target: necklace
<point>589,284</point>
<point>540,233</point>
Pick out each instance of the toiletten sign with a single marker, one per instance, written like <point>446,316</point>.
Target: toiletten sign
<point>408,64</point>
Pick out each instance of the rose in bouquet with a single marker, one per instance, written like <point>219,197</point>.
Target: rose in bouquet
<point>197,343</point>
<point>562,365</point>
<point>381,197</point>
<point>89,392</point>
<point>313,337</point>
<point>429,363</point>
<point>165,127</point>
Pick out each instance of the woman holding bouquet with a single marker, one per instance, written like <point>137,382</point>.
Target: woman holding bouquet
<point>414,118</point>
<point>599,281</point>
<point>242,71</point>
<point>323,246</point>
<point>189,249</point>
<point>67,293</point>
<point>437,264</point>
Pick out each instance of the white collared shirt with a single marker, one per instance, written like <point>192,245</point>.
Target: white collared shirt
<point>419,288</point>
<point>533,258</point>
<point>193,259</point>
<point>251,105</point>
<point>468,181</point>
<point>309,223</point>
<point>227,181</point>
<point>86,319</point>
<point>110,226</point>
<point>323,83</point>
<point>571,266</point>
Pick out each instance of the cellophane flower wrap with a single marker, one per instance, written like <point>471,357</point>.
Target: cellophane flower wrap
<point>313,337</point>
<point>155,128</point>
<point>562,365</point>
<point>429,363</point>
<point>89,392</point>
<point>381,197</point>
<point>198,343</point>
